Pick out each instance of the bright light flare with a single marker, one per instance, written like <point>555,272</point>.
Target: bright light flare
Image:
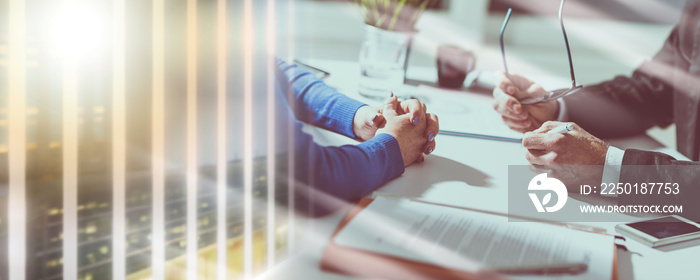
<point>77,31</point>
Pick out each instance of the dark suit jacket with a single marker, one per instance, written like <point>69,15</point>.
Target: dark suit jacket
<point>662,91</point>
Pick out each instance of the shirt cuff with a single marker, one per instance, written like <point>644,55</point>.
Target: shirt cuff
<point>612,168</point>
<point>563,114</point>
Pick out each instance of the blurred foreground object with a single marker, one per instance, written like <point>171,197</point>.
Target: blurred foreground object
<point>454,63</point>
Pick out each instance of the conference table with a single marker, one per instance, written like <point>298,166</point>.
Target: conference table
<point>462,172</point>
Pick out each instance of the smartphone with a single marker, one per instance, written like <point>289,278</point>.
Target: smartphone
<point>661,231</point>
<point>319,73</point>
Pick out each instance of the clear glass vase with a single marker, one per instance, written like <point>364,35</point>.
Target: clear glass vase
<point>383,60</point>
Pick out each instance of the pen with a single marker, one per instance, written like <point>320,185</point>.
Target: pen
<point>480,136</point>
<point>546,269</point>
<point>562,129</point>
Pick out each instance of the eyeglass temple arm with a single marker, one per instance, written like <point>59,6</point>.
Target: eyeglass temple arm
<point>566,42</point>
<point>503,50</point>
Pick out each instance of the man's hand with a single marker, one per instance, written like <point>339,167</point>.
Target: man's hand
<point>408,132</point>
<point>520,117</point>
<point>577,147</point>
<point>576,157</point>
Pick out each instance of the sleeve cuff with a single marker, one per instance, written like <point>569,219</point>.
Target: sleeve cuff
<point>346,109</point>
<point>613,167</point>
<point>389,146</point>
<point>563,114</point>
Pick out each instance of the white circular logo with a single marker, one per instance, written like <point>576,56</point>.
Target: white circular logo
<point>542,183</point>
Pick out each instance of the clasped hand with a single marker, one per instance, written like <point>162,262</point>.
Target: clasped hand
<point>408,121</point>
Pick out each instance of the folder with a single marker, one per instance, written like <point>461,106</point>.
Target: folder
<point>368,264</point>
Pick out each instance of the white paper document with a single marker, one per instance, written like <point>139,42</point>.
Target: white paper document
<point>468,240</point>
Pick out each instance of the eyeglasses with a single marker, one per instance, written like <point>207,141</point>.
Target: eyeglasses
<point>553,95</point>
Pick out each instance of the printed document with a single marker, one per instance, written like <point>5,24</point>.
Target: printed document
<point>469,240</point>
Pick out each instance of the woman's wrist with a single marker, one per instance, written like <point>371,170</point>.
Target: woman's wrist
<point>366,122</point>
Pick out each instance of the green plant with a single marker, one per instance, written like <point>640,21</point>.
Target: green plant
<point>398,15</point>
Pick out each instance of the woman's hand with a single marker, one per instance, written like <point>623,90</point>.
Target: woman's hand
<point>408,129</point>
<point>369,119</point>
<point>366,122</point>
<point>418,111</point>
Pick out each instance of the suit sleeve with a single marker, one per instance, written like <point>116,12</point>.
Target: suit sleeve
<point>627,106</point>
<point>651,167</point>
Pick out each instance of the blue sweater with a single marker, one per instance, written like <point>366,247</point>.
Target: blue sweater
<point>347,172</point>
